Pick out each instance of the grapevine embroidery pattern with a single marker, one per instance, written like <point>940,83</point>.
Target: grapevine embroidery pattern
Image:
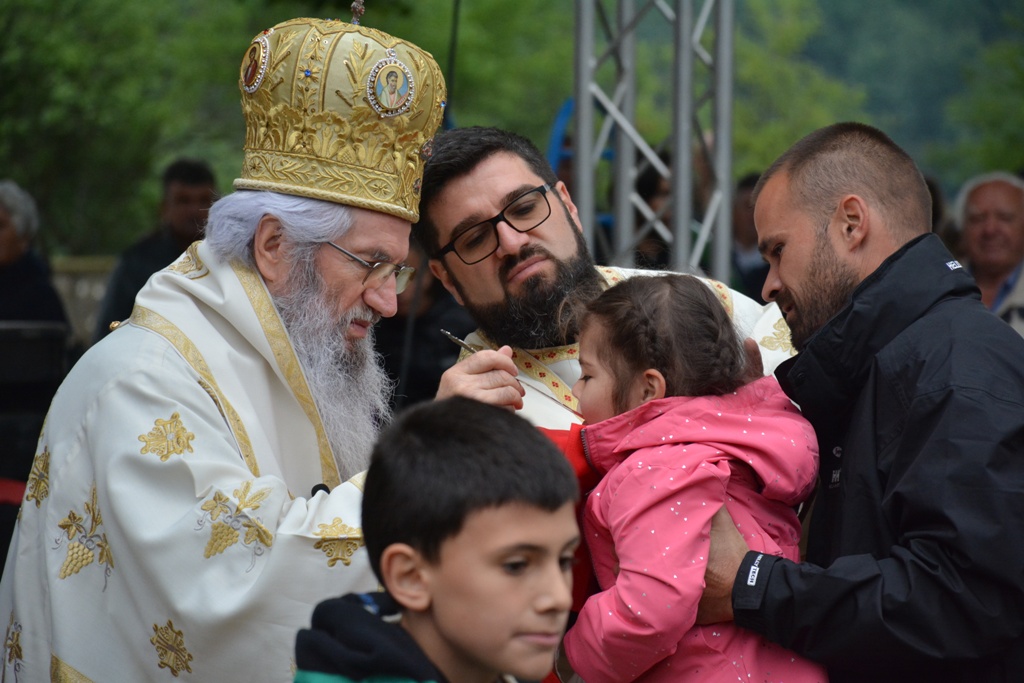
<point>85,546</point>
<point>167,438</point>
<point>781,340</point>
<point>338,541</point>
<point>170,648</point>
<point>228,519</point>
<point>38,487</point>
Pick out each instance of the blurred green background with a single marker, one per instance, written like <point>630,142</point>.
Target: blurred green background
<point>96,96</point>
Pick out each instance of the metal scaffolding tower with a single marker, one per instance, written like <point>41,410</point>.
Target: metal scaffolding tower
<point>700,143</point>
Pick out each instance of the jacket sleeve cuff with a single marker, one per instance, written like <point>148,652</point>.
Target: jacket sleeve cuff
<point>749,590</point>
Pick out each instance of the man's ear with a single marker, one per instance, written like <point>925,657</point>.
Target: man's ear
<point>563,193</point>
<point>652,385</point>
<point>852,213</point>
<point>406,576</point>
<point>441,273</point>
<point>270,251</point>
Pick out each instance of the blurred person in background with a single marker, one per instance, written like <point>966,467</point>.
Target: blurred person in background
<point>26,292</point>
<point>990,214</point>
<point>189,189</point>
<point>749,267</point>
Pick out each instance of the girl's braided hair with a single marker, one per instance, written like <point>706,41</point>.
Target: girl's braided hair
<point>672,323</point>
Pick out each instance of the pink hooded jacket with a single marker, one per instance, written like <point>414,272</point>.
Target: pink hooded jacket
<point>668,466</point>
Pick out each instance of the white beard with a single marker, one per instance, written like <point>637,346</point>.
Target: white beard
<point>347,380</point>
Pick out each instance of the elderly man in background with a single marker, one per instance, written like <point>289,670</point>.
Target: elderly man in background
<point>990,215</point>
<point>191,499</point>
<point>189,189</point>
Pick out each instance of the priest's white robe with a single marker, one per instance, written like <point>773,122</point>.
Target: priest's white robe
<point>168,529</point>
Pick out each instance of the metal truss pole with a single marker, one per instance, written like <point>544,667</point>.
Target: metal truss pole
<point>608,147</point>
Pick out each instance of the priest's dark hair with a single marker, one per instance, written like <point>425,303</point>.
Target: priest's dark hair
<point>440,461</point>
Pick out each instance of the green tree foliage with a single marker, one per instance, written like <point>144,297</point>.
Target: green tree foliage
<point>990,112</point>
<point>780,96</point>
<point>98,95</point>
<point>513,63</point>
<point>942,77</point>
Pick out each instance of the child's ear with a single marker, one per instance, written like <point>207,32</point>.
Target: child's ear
<point>652,385</point>
<point>404,574</point>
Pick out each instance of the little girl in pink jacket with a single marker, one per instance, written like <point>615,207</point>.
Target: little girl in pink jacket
<point>676,434</point>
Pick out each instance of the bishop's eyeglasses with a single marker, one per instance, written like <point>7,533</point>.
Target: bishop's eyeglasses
<point>379,272</point>
<point>523,214</point>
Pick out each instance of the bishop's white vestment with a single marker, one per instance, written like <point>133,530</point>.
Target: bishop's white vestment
<point>168,530</point>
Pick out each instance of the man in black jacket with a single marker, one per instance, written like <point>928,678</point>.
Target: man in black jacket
<point>915,559</point>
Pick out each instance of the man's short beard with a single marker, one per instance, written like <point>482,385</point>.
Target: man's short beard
<point>347,380</point>
<point>827,293</point>
<point>545,313</point>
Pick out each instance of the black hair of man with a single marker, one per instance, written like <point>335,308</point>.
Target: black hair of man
<point>188,172</point>
<point>440,461</point>
<point>455,153</point>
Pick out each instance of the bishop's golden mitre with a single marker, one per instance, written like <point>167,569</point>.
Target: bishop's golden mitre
<point>339,112</point>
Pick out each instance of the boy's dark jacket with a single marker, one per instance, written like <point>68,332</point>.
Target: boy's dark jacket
<point>357,638</point>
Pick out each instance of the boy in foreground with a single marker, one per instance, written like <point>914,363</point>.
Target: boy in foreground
<point>470,527</point>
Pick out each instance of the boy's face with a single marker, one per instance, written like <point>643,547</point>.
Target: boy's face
<point>500,594</point>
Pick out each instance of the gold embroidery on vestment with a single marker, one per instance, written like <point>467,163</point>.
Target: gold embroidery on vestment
<point>228,519</point>
<point>534,365</point>
<point>144,317</point>
<point>12,645</point>
<point>781,340</point>
<point>338,541</point>
<point>85,546</point>
<point>170,648</point>
<point>38,486</point>
<point>167,438</point>
<point>284,354</point>
<point>189,264</point>
<point>359,480</point>
<point>60,672</point>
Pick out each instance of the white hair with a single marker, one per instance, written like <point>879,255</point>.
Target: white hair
<point>22,208</point>
<point>960,210</point>
<point>231,228</point>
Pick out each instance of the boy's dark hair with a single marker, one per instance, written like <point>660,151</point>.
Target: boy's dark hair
<point>673,323</point>
<point>188,172</point>
<point>455,153</point>
<point>439,461</point>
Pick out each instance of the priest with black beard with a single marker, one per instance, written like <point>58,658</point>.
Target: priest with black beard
<point>504,238</point>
